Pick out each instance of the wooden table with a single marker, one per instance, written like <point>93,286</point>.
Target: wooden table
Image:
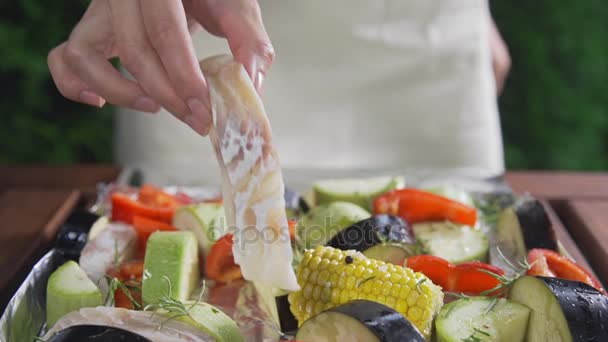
<point>35,201</point>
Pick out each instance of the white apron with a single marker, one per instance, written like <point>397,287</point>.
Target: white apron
<point>356,85</point>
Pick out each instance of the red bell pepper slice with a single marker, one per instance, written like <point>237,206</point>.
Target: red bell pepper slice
<point>157,198</point>
<point>220,264</point>
<point>146,227</point>
<point>469,278</point>
<point>415,206</point>
<point>132,270</point>
<point>125,209</point>
<point>561,267</point>
<point>129,274</point>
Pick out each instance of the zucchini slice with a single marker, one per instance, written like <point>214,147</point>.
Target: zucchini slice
<point>359,320</point>
<point>452,242</point>
<point>383,237</point>
<point>360,191</point>
<point>562,310</point>
<point>482,319</point>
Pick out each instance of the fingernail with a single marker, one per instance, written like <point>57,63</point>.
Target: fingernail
<point>145,104</point>
<point>258,80</point>
<point>90,98</point>
<point>197,124</point>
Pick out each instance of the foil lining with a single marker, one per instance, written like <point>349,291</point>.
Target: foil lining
<point>24,317</point>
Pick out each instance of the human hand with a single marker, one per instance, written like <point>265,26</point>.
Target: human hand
<point>152,40</point>
<point>501,61</point>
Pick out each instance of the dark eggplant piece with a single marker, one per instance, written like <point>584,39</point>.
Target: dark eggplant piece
<point>96,333</point>
<point>286,319</point>
<point>524,226</point>
<point>385,237</point>
<point>73,234</point>
<point>295,202</point>
<point>562,310</point>
<point>359,320</point>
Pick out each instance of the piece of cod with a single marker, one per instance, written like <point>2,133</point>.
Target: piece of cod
<point>252,183</point>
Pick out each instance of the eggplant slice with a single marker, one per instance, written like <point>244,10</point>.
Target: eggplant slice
<point>388,238</point>
<point>522,227</point>
<point>562,310</point>
<point>96,333</point>
<point>359,320</point>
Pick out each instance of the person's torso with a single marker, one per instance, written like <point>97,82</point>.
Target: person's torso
<point>356,84</point>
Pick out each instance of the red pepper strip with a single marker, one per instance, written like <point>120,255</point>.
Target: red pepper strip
<point>220,264</point>
<point>468,278</point>
<point>562,267</point>
<point>419,206</point>
<point>157,198</point>
<point>146,227</point>
<point>132,270</point>
<point>292,228</point>
<point>125,209</point>
<point>121,300</point>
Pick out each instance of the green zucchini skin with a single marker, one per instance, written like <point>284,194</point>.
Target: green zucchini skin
<point>373,231</point>
<point>386,324</point>
<point>535,224</point>
<point>583,308</point>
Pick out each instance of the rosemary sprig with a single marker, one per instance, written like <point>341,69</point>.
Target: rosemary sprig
<point>174,307</point>
<point>420,282</point>
<point>491,306</point>
<point>115,284</point>
<point>506,281</point>
<point>473,338</point>
<point>363,281</point>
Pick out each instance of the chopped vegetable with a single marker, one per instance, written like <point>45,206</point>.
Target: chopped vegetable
<point>560,267</point>
<point>220,264</point>
<point>157,198</point>
<point>125,209</point>
<point>383,237</point>
<point>421,206</point>
<point>206,220</point>
<point>522,227</point>
<point>323,222</point>
<point>482,319</point>
<point>171,265</point>
<point>69,289</point>
<point>359,320</point>
<point>360,191</point>
<point>562,310</point>
<point>292,224</point>
<point>455,243</point>
<point>470,278</point>
<point>145,227</point>
<point>327,280</point>
<point>132,270</point>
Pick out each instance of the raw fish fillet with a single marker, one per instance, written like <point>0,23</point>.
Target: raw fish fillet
<point>115,244</point>
<point>252,183</point>
<point>155,327</point>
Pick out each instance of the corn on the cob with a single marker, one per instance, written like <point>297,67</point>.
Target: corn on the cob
<point>329,277</point>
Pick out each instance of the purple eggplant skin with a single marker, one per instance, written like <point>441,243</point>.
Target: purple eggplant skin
<point>585,308</point>
<point>535,224</point>
<point>372,231</point>
<point>287,321</point>
<point>387,324</point>
<point>96,333</point>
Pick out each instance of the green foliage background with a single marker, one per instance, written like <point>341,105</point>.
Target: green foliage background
<point>554,110</point>
<point>38,125</point>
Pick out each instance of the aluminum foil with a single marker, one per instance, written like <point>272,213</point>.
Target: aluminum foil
<point>25,316</point>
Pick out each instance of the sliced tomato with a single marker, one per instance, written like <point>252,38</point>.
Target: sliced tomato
<point>561,267</point>
<point>220,264</point>
<point>415,206</point>
<point>124,209</point>
<point>146,227</point>
<point>470,278</point>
